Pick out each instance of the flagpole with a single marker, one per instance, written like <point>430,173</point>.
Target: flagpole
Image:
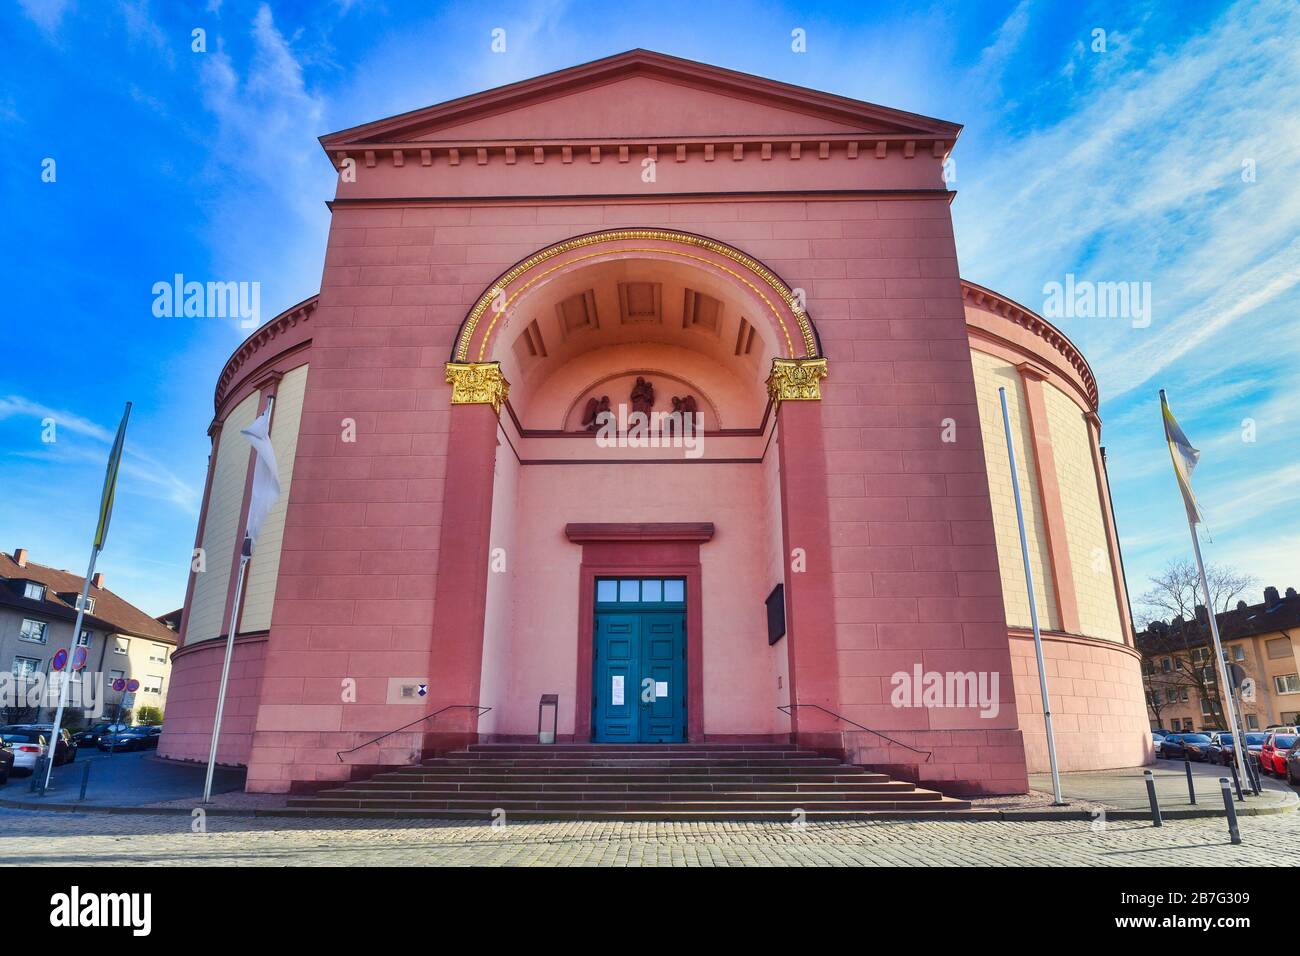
<point>245,554</point>
<point>101,535</point>
<point>1188,456</point>
<point>1057,801</point>
<point>66,673</point>
<point>1225,693</point>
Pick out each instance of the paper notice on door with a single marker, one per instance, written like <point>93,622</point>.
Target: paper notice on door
<point>616,691</point>
<point>661,688</point>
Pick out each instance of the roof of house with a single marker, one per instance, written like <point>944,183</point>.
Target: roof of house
<point>1275,613</point>
<point>62,588</point>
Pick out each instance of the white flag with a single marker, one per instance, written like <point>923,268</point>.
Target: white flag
<point>266,477</point>
<point>1184,457</point>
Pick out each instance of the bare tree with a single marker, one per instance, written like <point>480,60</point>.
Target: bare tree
<point>1176,592</point>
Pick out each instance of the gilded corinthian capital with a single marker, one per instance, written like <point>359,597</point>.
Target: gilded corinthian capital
<point>796,380</point>
<point>477,383</point>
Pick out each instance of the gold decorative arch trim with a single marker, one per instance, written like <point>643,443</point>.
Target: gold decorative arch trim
<point>498,298</point>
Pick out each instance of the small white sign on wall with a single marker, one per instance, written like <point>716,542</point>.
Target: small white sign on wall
<point>616,691</point>
<point>661,689</point>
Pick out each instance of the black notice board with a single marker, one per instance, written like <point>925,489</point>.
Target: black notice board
<point>776,614</point>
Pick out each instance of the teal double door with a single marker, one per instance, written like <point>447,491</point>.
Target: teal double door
<point>639,684</point>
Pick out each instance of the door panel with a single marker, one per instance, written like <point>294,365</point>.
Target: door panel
<point>640,677</point>
<point>618,640</point>
<point>663,663</point>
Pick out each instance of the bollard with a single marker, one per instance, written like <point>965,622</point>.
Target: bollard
<point>1151,795</point>
<point>1232,811</point>
<point>85,779</point>
<point>1236,779</point>
<point>1252,768</point>
<point>1191,787</point>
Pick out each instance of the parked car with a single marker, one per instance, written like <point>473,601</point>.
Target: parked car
<point>65,752</point>
<point>6,761</point>
<point>1293,766</point>
<point>1191,746</point>
<point>1283,728</point>
<point>1161,732</point>
<point>133,738</point>
<point>27,746</point>
<point>90,737</point>
<point>1157,741</point>
<point>1221,751</point>
<point>1272,755</point>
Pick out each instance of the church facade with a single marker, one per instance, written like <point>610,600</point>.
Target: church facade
<point>644,402</point>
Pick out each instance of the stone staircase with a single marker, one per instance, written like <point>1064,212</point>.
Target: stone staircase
<point>634,782</point>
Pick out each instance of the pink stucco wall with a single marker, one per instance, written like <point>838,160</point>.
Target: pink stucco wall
<point>192,701</point>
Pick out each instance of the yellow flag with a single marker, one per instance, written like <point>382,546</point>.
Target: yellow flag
<point>110,480</point>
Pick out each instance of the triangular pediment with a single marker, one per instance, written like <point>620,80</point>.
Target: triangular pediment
<point>641,95</point>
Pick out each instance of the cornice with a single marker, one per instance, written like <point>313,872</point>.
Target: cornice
<point>1000,305</point>
<point>744,86</point>
<point>253,347</point>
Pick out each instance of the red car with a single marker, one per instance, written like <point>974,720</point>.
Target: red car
<point>1272,756</point>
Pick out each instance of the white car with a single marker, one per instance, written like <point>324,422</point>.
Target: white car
<point>28,747</point>
<point>1157,742</point>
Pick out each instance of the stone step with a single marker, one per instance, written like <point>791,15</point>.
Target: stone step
<point>619,779</point>
<point>949,810</point>
<point>486,807</point>
<point>357,796</point>
<point>632,748</point>
<point>769,782</point>
<point>460,761</point>
<point>507,784</point>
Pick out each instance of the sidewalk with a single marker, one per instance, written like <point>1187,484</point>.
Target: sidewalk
<point>1123,793</point>
<point>141,783</point>
<point>120,781</point>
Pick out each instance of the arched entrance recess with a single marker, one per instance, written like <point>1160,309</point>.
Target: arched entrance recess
<point>490,337</point>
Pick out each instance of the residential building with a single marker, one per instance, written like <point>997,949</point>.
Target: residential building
<point>1181,681</point>
<point>38,610</point>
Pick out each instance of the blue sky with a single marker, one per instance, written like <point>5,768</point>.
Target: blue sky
<point>1116,165</point>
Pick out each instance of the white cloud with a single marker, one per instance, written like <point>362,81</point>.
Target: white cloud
<point>46,14</point>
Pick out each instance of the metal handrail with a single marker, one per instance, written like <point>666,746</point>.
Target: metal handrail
<point>481,709</point>
<point>786,708</point>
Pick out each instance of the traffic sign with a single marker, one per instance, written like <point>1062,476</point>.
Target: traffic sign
<point>78,658</point>
<point>119,685</point>
<point>132,685</point>
<point>60,659</point>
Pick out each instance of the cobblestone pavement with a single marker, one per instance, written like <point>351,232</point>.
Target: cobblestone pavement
<point>28,837</point>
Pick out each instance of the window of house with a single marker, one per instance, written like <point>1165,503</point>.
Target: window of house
<point>34,591</point>
<point>1207,708</point>
<point>90,604</point>
<point>33,631</point>
<point>115,675</point>
<point>152,684</point>
<point>1252,722</point>
<point>25,667</point>
<point>1238,652</point>
<point>1287,683</point>
<point>157,654</point>
<point>121,645</point>
<point>1278,648</point>
<point>84,639</point>
<point>1171,695</point>
<point>1183,695</point>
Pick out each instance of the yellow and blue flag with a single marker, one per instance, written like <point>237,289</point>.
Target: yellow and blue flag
<point>110,481</point>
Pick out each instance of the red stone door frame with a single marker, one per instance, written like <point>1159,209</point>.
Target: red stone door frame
<point>640,550</point>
